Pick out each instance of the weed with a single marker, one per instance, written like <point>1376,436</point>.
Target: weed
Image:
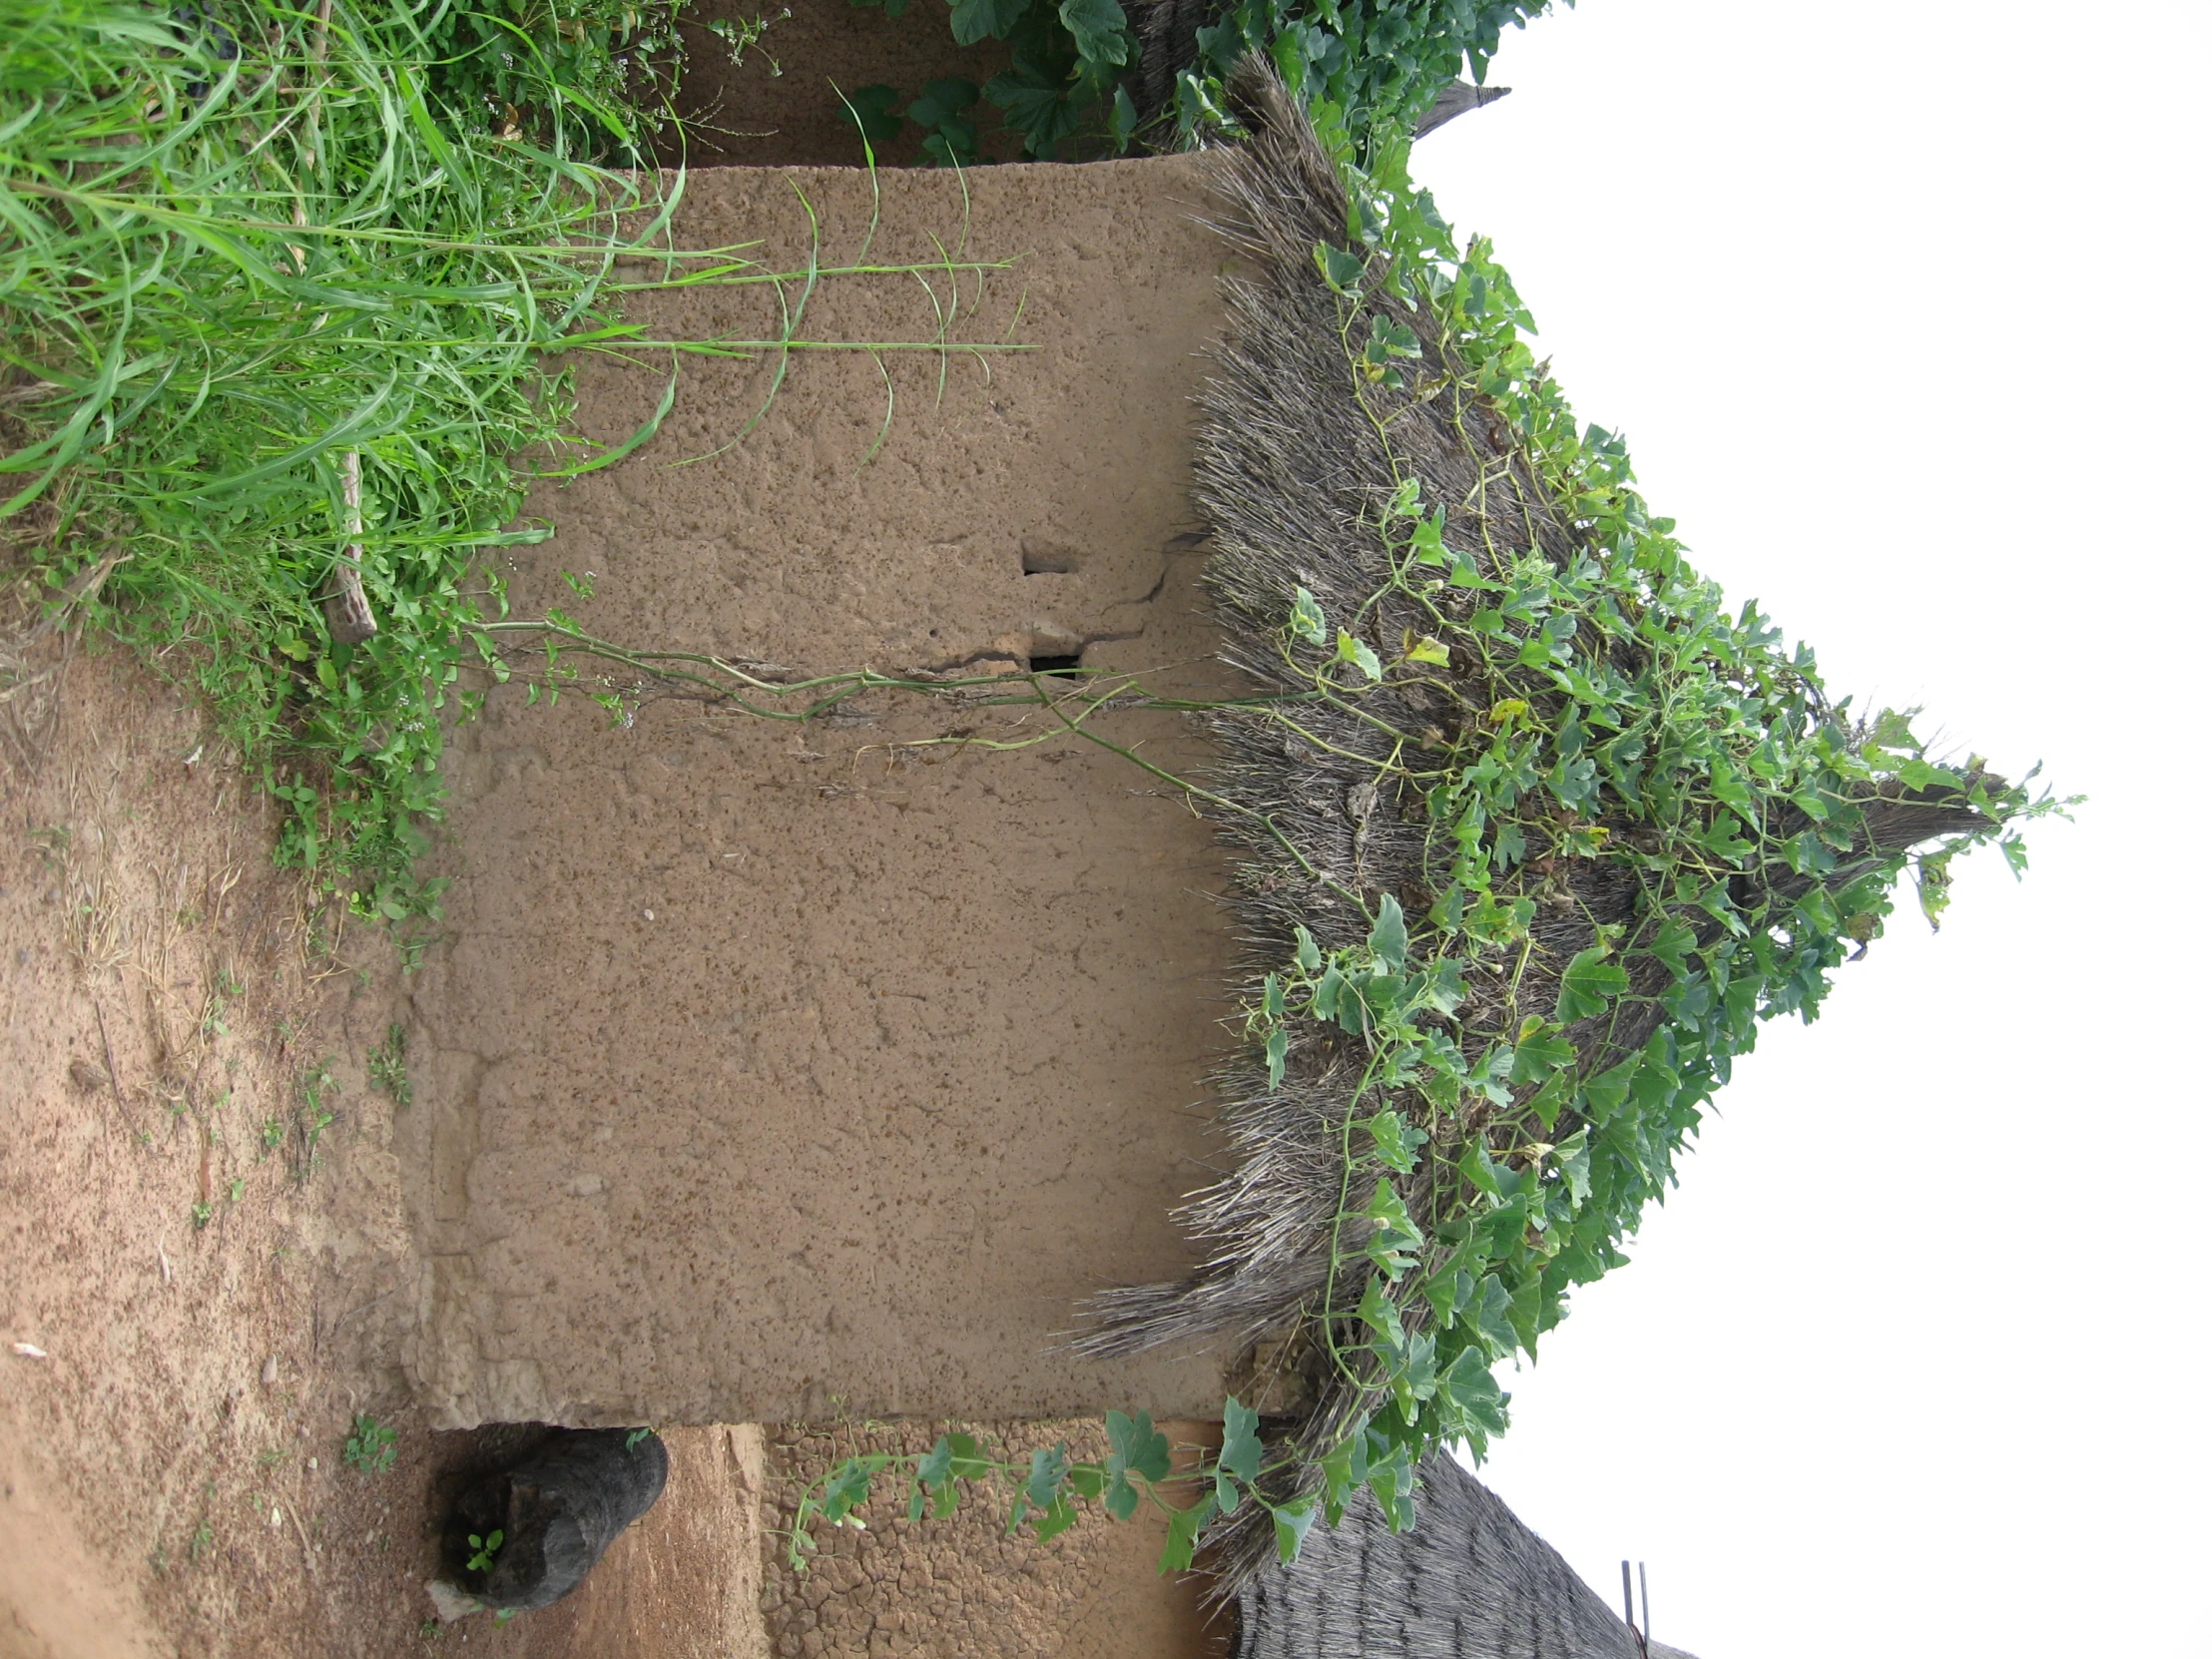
<point>202,1540</point>
<point>237,1188</point>
<point>387,1067</point>
<point>272,1134</point>
<point>314,1117</point>
<point>157,1560</point>
<point>226,992</point>
<point>53,843</point>
<point>201,1213</point>
<point>371,1446</point>
<point>485,1549</point>
<point>273,1456</point>
<point>364,266</point>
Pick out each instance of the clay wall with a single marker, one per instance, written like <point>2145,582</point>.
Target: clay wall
<point>776,1072</point>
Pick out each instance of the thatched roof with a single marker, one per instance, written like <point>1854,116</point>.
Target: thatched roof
<point>1290,473</point>
<point>1470,1582</point>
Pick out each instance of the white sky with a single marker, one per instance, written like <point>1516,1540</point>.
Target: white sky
<point>1902,312</point>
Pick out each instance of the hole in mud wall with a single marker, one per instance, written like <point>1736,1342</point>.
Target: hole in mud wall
<point>1056,665</point>
<point>1049,559</point>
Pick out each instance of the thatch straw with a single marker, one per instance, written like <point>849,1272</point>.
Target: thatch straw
<point>1291,473</point>
<point>1474,1583</point>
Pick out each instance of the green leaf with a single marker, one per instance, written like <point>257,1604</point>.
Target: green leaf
<point>1359,654</point>
<point>1055,1519</point>
<point>1309,953</point>
<point>1240,1441</point>
<point>1291,1523</point>
<point>974,20</point>
<point>1100,27</point>
<point>1380,1313</point>
<point>1396,1143</point>
<point>1142,1449</point>
<point>1573,1158</point>
<point>1386,939</point>
<point>1279,1048</point>
<point>941,101</point>
<point>1306,621</point>
<point>1589,985</point>
<point>1539,1053</point>
<point>1605,1093</point>
<point>869,109</point>
<point>1048,1466</point>
<point>1493,1321</point>
<point>1340,269</point>
<point>1430,650</point>
<point>1394,1237</point>
<point>1183,1529</point>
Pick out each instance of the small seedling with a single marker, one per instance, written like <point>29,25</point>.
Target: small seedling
<point>387,1067</point>
<point>486,1549</point>
<point>370,1447</point>
<point>314,1117</point>
<point>203,1540</point>
<point>272,1134</point>
<point>201,1213</point>
<point>237,1188</point>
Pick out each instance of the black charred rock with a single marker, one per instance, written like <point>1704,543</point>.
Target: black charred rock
<point>554,1514</point>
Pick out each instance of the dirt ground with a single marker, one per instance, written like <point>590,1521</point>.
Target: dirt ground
<point>204,1267</point>
<point>781,105</point>
<point>959,1587</point>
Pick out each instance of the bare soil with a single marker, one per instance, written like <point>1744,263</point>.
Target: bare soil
<point>960,1586</point>
<point>781,106</point>
<point>203,1292</point>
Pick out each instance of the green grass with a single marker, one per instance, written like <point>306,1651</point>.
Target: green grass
<point>224,283</point>
<point>248,280</point>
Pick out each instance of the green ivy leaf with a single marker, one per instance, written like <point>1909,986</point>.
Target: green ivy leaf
<point>1342,271</point>
<point>974,20</point>
<point>1100,27</point>
<point>1386,939</point>
<point>1048,1466</point>
<point>1588,985</point>
<point>1359,654</point>
<point>1183,1529</point>
<point>869,109</point>
<point>1291,1523</point>
<point>1396,1143</point>
<point>1306,621</point>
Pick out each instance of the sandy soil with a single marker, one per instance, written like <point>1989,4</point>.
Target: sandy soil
<point>205,1293</point>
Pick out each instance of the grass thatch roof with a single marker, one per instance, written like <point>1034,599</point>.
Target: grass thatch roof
<point>1473,1583</point>
<point>1297,457</point>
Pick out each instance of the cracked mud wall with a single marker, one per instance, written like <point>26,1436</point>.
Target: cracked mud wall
<point>771,1073</point>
